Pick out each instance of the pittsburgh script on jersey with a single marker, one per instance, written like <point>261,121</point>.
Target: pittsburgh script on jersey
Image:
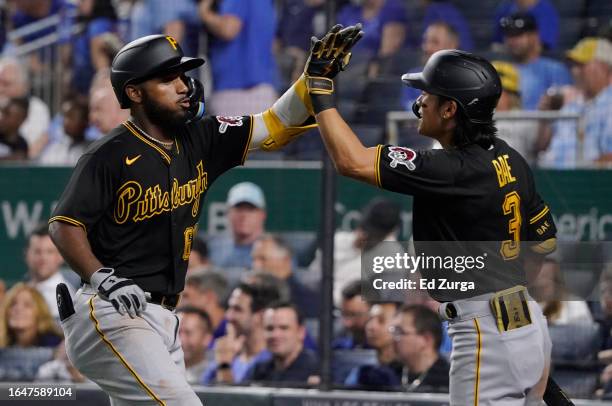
<point>134,203</point>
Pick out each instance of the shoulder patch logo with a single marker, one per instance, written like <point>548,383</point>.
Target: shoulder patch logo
<point>402,156</point>
<point>228,121</point>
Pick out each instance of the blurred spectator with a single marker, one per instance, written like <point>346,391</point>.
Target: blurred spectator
<point>384,24</point>
<point>444,11</point>
<point>247,216</point>
<point>198,258</point>
<point>436,37</point>
<point>13,147</point>
<point>519,134</point>
<point>243,67</point>
<point>176,18</point>
<point>14,82</point>
<point>592,65</point>
<point>271,254</point>
<point>207,291</point>
<point>68,149</point>
<point>354,314</point>
<point>59,369</point>
<point>88,47</point>
<point>290,362</point>
<point>244,343</point>
<point>44,261</point>
<point>378,336</point>
<point>105,113</point>
<point>558,305</point>
<point>195,332</point>
<point>295,28</point>
<point>537,73</point>
<point>544,12</point>
<point>30,11</point>
<point>26,321</point>
<point>417,334</point>
<point>380,222</point>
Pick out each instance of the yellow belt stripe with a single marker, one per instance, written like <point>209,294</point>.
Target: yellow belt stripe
<point>68,220</point>
<point>539,215</point>
<point>146,141</point>
<point>246,148</point>
<point>377,167</point>
<point>140,381</point>
<point>479,346</point>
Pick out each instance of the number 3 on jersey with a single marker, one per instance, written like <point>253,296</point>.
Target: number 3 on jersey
<point>512,206</point>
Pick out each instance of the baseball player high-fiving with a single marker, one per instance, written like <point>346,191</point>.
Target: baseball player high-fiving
<point>476,189</point>
<point>127,217</point>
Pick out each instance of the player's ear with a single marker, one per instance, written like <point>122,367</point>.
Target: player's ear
<point>448,109</point>
<point>134,93</point>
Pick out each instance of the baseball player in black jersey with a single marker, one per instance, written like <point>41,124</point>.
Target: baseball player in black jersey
<point>127,218</point>
<point>475,189</point>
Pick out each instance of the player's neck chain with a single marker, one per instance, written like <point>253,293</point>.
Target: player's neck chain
<point>167,145</point>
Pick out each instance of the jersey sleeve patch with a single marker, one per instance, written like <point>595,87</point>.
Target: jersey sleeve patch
<point>402,156</point>
<point>228,121</point>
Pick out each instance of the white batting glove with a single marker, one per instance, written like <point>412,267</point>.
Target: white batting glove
<point>124,294</point>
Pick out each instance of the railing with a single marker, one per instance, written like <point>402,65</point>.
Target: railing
<point>45,76</point>
<point>396,117</point>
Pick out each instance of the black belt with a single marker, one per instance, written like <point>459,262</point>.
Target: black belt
<point>168,301</point>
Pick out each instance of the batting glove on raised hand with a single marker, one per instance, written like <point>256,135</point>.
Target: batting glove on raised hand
<point>124,294</point>
<point>328,56</point>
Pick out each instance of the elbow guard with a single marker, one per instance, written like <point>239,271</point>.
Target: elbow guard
<point>280,135</point>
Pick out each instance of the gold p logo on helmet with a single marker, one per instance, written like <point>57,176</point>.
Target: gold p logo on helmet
<point>172,42</point>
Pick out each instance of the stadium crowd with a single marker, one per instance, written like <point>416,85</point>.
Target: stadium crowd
<point>545,68</point>
<point>249,312</point>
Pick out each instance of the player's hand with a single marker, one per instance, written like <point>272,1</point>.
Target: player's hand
<point>124,294</point>
<point>332,53</point>
<point>196,100</point>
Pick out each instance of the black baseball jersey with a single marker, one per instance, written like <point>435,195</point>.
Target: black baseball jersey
<point>139,203</point>
<point>478,201</point>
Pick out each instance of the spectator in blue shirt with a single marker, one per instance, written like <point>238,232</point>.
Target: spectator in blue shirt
<point>439,35</point>
<point>244,344</point>
<point>354,314</point>
<point>247,215</point>
<point>88,47</point>
<point>243,66</point>
<point>537,73</point>
<point>30,11</point>
<point>592,63</point>
<point>384,24</point>
<point>176,18</point>
<point>290,363</point>
<point>544,12</point>
<point>443,10</point>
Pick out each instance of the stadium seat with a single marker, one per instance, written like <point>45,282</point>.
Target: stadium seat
<point>574,342</point>
<point>345,360</point>
<point>571,32</point>
<point>570,8</point>
<point>370,135</point>
<point>380,96</point>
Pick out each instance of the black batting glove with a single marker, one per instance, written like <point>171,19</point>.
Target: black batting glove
<point>328,56</point>
<point>124,294</point>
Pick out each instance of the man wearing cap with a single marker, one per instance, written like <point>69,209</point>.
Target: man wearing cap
<point>545,13</point>
<point>247,216</point>
<point>127,218</point>
<point>519,134</point>
<point>537,73</point>
<point>589,140</point>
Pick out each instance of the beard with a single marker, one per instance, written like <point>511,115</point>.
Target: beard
<point>161,116</point>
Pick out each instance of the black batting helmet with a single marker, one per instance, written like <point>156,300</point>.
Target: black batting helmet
<point>468,79</point>
<point>145,58</point>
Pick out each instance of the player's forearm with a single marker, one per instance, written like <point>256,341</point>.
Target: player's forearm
<point>72,243</point>
<point>350,157</point>
<point>285,120</point>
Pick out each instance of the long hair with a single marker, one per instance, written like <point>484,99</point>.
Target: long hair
<point>44,321</point>
<point>468,133</point>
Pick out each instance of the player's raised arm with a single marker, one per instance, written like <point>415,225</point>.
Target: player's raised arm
<point>293,113</point>
<point>349,155</point>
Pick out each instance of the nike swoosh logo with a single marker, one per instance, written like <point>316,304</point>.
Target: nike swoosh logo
<point>129,161</point>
